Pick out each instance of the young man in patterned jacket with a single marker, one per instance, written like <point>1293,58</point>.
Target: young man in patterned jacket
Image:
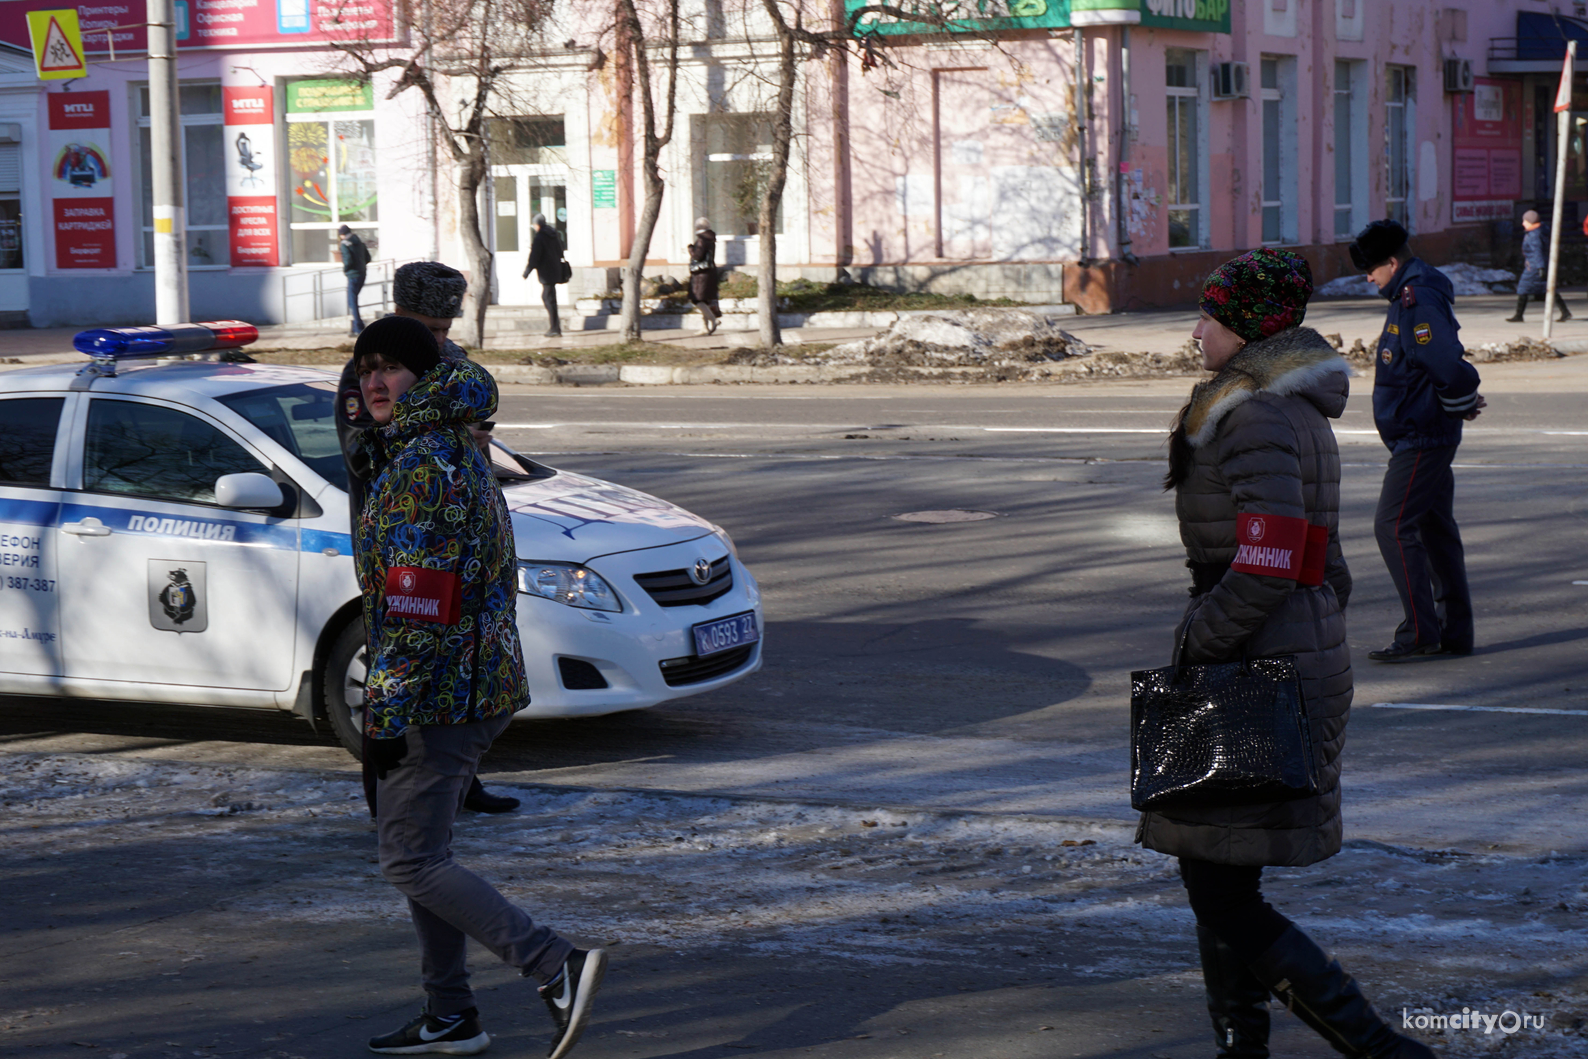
<point>434,551</point>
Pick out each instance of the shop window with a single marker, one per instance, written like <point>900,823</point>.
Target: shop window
<point>1185,125</point>
<point>736,166</point>
<point>1279,151</point>
<point>528,140</point>
<point>10,205</point>
<point>203,159</point>
<point>331,175</point>
<point>1400,124</point>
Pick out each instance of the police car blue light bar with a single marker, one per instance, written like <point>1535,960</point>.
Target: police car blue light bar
<point>127,343</point>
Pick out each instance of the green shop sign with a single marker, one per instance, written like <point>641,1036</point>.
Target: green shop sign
<point>983,16</point>
<point>308,97</point>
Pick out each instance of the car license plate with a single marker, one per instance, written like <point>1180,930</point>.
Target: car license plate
<point>724,634</point>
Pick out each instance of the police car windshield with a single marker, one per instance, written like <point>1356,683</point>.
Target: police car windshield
<point>300,417</point>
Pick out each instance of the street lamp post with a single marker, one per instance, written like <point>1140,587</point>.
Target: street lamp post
<point>165,169</point>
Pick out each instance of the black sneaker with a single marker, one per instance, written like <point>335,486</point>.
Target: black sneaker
<point>569,996</point>
<point>1404,652</point>
<point>447,1034</point>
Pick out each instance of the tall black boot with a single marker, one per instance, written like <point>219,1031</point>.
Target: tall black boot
<point>1565,313</point>
<point>1237,1001</point>
<point>1319,992</point>
<point>1521,304</point>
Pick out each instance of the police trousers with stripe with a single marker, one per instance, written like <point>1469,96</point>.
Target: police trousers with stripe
<point>416,803</point>
<point>1421,545</point>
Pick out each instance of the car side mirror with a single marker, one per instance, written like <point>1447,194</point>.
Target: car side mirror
<point>248,490</point>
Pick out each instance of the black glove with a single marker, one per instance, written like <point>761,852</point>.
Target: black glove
<point>380,757</point>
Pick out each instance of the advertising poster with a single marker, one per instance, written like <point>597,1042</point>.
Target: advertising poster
<point>78,155</point>
<point>1486,140</point>
<point>212,23</point>
<point>250,147</point>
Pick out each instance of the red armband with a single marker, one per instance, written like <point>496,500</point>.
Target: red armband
<point>424,595</point>
<point>1270,544</point>
<point>1314,557</point>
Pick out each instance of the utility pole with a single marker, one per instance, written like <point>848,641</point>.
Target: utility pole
<point>1562,145</point>
<point>165,169</point>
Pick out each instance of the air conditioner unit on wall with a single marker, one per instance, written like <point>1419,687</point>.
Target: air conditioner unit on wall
<point>1458,75</point>
<point>1231,80</point>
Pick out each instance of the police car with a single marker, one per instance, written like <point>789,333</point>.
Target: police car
<point>175,529</point>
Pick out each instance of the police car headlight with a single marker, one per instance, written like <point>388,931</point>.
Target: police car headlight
<point>568,583</point>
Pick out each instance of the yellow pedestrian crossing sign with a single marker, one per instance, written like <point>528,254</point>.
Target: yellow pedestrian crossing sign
<point>57,44</point>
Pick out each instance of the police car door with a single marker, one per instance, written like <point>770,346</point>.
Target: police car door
<point>29,618</point>
<point>159,584</point>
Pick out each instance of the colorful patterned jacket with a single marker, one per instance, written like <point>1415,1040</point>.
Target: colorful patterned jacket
<point>436,564</point>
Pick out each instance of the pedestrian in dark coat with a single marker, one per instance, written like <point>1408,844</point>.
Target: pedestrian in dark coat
<point>703,274</point>
<point>545,260</point>
<point>1535,264</point>
<point>1253,452</point>
<point>355,264</point>
<point>1422,391</point>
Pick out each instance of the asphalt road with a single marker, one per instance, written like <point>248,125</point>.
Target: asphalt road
<point>978,666</point>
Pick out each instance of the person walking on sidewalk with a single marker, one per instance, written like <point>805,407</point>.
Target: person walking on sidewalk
<point>1422,391</point>
<point>545,260</point>
<point>703,277</point>
<point>1535,263</point>
<point>435,560</point>
<point>431,293</point>
<point>355,261</point>
<point>1253,446</point>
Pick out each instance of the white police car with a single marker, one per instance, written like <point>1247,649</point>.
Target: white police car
<point>176,530</point>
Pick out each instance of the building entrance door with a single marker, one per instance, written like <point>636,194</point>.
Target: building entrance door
<point>518,192</point>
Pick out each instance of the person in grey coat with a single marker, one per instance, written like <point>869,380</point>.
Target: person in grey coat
<point>1535,264</point>
<point>1253,460</point>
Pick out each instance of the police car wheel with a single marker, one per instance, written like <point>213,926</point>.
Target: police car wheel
<point>343,682</point>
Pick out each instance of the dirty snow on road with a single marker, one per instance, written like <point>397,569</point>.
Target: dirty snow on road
<point>1434,932</point>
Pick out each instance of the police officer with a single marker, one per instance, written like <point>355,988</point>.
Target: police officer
<point>431,293</point>
<point>1422,390</point>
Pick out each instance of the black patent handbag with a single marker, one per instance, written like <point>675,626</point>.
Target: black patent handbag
<point>1230,733</point>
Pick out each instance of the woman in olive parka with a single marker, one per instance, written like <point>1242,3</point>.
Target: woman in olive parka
<point>1253,461</point>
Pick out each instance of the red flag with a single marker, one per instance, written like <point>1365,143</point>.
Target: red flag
<point>1563,94</point>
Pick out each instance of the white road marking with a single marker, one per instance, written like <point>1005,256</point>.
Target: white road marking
<point>1478,709</point>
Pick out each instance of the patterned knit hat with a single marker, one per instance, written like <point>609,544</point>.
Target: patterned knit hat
<point>1260,293</point>
<point>429,288</point>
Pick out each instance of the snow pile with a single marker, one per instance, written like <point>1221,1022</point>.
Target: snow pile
<point>1464,278</point>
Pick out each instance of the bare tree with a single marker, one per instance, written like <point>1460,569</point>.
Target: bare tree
<point>634,49</point>
<point>463,49</point>
<point>777,176</point>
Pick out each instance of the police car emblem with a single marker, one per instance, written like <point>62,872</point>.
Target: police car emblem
<point>178,599</point>
<point>1423,333</point>
<point>1254,530</point>
<point>1385,355</point>
<point>700,573</point>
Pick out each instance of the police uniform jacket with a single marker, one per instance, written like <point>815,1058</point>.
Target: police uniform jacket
<point>1421,385</point>
<point>1255,443</point>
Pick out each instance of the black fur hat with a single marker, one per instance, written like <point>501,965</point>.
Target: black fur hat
<point>430,288</point>
<point>1377,243</point>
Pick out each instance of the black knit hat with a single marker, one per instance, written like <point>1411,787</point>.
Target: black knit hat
<point>429,288</point>
<point>401,339</point>
<point>1377,243</point>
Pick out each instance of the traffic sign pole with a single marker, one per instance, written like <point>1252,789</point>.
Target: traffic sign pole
<point>165,141</point>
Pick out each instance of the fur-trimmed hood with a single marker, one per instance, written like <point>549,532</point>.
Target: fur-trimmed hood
<point>1295,361</point>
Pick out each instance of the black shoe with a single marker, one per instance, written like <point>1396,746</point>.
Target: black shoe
<point>1565,314</point>
<point>1403,652</point>
<point>1237,1001</point>
<point>568,997</point>
<point>1319,992</point>
<point>1514,320</point>
<point>477,801</point>
<point>1455,652</point>
<point>553,334</point>
<point>449,1035</point>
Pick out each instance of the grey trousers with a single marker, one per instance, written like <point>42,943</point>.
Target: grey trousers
<point>416,803</point>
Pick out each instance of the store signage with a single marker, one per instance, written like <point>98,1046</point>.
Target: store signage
<point>315,96</point>
<point>1486,147</point>
<point>249,146</point>
<point>604,189</point>
<point>983,16</point>
<point>212,23</point>
<point>254,231</point>
<point>78,151</point>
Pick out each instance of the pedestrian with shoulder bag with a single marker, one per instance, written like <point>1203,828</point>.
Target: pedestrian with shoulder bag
<point>1256,476</point>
